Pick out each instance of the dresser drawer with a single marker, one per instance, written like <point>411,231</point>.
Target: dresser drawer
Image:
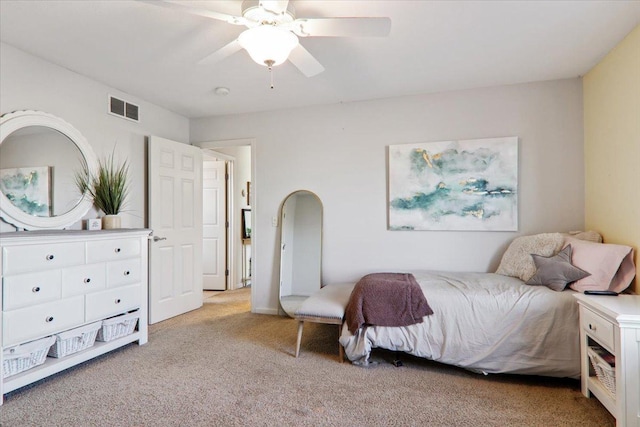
<point>83,279</point>
<point>41,320</point>
<point>31,258</point>
<point>111,302</point>
<point>111,250</point>
<point>29,289</point>
<point>598,328</point>
<point>123,272</point>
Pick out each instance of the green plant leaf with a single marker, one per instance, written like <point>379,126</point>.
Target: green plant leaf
<point>109,187</point>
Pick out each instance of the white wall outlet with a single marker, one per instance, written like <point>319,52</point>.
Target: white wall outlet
<point>274,221</point>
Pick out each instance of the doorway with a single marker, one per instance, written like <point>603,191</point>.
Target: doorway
<point>226,246</point>
<point>215,188</point>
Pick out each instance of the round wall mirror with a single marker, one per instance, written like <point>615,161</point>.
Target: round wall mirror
<point>39,157</point>
<point>301,249</point>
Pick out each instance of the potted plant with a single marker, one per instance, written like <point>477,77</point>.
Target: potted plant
<point>108,188</point>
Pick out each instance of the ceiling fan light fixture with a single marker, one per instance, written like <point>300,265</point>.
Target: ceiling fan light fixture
<point>268,45</point>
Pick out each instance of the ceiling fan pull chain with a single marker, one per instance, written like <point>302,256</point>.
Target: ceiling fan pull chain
<point>270,63</point>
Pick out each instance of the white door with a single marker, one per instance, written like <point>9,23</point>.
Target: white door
<point>175,216</point>
<point>214,230</point>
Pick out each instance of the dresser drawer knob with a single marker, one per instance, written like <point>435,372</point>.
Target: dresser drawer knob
<point>118,300</point>
<point>592,327</point>
<point>35,289</point>
<point>50,257</point>
<point>126,273</point>
<point>87,280</point>
<point>118,250</point>
<point>49,319</point>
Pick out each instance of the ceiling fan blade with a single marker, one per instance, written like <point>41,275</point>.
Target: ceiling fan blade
<point>342,27</point>
<point>305,62</point>
<point>199,11</point>
<point>276,7</point>
<point>222,53</point>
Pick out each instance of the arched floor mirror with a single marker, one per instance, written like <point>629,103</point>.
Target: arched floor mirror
<point>300,249</point>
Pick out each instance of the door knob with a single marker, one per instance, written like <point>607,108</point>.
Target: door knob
<point>157,239</point>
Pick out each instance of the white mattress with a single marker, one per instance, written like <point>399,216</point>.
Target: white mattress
<point>484,322</point>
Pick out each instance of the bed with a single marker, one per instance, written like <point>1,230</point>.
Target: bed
<point>523,320</point>
<point>486,323</point>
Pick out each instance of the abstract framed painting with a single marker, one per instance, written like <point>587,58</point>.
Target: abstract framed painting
<point>454,185</point>
<point>28,188</point>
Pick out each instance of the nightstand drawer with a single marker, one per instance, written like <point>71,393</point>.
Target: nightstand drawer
<point>598,328</point>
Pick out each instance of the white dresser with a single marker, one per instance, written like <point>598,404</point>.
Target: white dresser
<point>53,281</point>
<point>613,324</point>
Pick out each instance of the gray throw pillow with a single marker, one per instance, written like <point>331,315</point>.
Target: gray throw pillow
<point>556,272</point>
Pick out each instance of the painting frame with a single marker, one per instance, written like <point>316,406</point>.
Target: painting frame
<point>455,185</point>
<point>29,188</point>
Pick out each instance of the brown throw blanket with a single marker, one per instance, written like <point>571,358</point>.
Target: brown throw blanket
<point>386,299</point>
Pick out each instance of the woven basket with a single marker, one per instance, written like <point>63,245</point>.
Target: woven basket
<point>25,356</point>
<point>75,340</point>
<point>117,327</point>
<point>605,372</point>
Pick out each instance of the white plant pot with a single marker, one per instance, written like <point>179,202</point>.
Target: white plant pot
<point>110,222</point>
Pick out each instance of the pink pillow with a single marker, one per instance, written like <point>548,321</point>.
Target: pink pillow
<point>611,266</point>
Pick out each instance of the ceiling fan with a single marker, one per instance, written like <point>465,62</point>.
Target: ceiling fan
<point>272,32</point>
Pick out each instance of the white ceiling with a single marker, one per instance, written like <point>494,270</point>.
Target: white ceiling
<point>152,52</point>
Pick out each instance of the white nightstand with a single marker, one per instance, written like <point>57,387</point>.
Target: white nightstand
<point>613,323</point>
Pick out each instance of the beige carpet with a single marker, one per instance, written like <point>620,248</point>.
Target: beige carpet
<point>223,366</point>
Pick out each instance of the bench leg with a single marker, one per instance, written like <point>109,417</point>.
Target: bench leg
<point>300,326</point>
<point>340,348</point>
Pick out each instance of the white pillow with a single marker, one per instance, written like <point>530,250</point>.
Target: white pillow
<point>517,260</point>
<point>611,266</point>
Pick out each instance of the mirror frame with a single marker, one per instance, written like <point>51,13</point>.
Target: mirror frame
<point>17,120</point>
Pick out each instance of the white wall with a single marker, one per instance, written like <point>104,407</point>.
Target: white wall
<point>339,153</point>
<point>29,83</point>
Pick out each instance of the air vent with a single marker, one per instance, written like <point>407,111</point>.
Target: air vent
<point>124,109</point>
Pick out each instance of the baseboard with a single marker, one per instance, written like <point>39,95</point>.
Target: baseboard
<point>271,311</point>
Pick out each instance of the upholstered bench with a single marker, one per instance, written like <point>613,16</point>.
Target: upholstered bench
<point>325,306</point>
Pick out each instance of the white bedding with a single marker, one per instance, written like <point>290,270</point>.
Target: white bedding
<point>484,322</point>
